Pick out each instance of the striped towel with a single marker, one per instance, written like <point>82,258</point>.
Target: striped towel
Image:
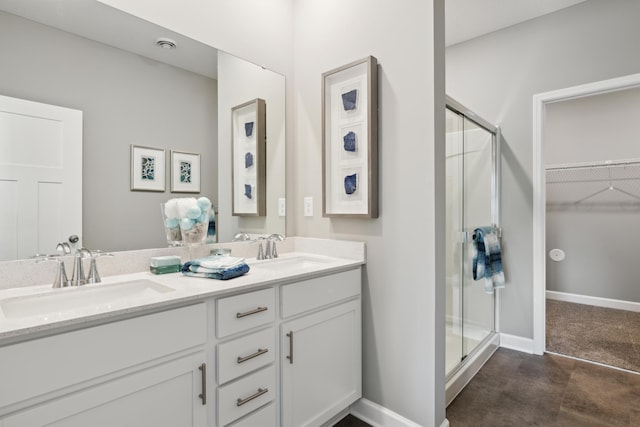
<point>215,267</point>
<point>487,258</point>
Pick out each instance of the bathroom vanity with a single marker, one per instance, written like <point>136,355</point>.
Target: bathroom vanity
<point>279,346</point>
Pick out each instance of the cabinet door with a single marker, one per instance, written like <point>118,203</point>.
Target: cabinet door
<point>163,395</point>
<point>321,365</point>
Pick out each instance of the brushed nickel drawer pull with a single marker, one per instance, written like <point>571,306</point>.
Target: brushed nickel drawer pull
<point>250,312</point>
<point>259,393</point>
<point>290,356</point>
<point>203,395</point>
<point>251,356</point>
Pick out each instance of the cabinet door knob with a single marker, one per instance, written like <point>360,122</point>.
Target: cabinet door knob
<point>203,395</point>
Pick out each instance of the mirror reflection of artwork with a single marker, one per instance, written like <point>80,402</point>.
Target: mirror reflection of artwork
<point>350,100</point>
<point>248,129</point>
<point>350,141</point>
<point>247,191</point>
<point>351,183</point>
<point>148,168</point>
<point>248,160</point>
<point>185,172</point>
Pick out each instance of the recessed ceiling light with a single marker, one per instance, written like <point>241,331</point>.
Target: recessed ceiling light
<point>165,43</point>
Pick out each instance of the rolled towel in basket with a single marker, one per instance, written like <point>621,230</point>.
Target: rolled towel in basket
<point>487,258</point>
<point>215,267</point>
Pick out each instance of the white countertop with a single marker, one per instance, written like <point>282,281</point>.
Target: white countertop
<point>289,267</point>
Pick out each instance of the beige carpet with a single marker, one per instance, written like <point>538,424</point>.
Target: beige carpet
<point>598,334</point>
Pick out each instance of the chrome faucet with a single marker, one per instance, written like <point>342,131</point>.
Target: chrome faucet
<point>271,251</point>
<point>78,278</point>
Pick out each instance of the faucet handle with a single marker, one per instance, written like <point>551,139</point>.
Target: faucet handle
<point>93,276</point>
<point>61,280</point>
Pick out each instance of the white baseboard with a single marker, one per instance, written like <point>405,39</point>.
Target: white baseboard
<point>597,301</point>
<point>379,416</point>
<point>517,343</point>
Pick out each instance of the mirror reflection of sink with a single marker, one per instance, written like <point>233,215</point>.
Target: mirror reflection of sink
<point>95,298</point>
<point>303,261</point>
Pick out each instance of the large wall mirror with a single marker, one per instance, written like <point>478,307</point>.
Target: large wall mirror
<point>91,57</point>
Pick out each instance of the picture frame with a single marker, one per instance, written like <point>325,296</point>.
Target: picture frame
<point>185,172</point>
<point>147,169</point>
<point>350,140</point>
<point>248,179</point>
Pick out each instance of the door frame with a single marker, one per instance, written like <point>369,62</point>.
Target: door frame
<point>539,191</point>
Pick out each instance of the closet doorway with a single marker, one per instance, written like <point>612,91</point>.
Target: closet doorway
<point>591,220</point>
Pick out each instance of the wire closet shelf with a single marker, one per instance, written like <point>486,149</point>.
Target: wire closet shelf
<point>611,184</point>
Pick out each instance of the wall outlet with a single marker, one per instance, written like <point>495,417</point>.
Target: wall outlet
<point>308,206</point>
<point>282,206</point>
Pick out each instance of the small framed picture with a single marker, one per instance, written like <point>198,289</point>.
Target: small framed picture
<point>185,172</point>
<point>249,159</point>
<point>350,140</point>
<point>147,169</point>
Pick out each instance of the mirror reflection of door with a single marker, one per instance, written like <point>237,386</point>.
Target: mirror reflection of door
<point>41,160</point>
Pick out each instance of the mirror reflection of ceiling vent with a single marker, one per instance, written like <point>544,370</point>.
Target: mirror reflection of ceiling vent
<point>165,43</point>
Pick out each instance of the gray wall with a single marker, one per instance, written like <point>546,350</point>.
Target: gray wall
<point>403,283</point>
<point>126,99</point>
<point>498,74</point>
<point>600,235</point>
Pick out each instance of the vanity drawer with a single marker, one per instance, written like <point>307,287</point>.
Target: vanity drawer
<point>243,312</point>
<point>246,354</point>
<point>246,395</point>
<point>310,294</point>
<point>264,417</point>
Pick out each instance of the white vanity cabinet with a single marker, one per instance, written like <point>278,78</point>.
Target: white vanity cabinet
<point>321,348</point>
<point>289,355</point>
<point>145,371</point>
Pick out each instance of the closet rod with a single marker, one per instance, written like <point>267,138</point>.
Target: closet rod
<point>593,165</point>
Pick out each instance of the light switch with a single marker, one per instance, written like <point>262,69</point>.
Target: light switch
<point>308,206</point>
<point>282,206</point>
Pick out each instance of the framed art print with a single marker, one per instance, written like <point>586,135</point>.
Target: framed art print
<point>249,159</point>
<point>185,172</point>
<point>350,140</point>
<point>147,169</point>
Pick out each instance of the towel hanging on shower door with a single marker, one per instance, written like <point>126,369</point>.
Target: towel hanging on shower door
<point>487,258</point>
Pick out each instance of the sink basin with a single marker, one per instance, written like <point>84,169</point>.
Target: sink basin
<point>92,298</point>
<point>296,262</point>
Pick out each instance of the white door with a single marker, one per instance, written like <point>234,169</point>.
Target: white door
<point>321,365</point>
<point>40,177</point>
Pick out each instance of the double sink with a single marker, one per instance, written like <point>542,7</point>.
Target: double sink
<point>98,298</point>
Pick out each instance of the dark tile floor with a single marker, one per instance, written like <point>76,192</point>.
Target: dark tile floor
<point>519,389</point>
<point>351,421</point>
<point>599,334</point>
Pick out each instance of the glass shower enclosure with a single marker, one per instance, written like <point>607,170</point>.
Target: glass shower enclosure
<point>471,202</point>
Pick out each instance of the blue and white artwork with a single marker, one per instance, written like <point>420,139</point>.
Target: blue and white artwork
<point>185,172</point>
<point>350,100</point>
<point>247,191</point>
<point>248,160</point>
<point>351,183</point>
<point>248,129</point>
<point>350,141</point>
<point>148,168</point>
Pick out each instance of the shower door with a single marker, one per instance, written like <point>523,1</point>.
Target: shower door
<point>470,203</point>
